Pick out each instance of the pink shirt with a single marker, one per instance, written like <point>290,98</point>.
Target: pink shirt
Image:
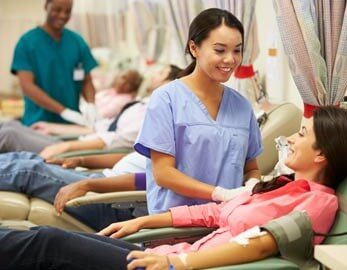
<point>246,211</point>
<point>109,103</point>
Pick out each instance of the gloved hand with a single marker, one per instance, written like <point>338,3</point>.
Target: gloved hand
<point>73,116</point>
<point>90,114</point>
<point>222,194</point>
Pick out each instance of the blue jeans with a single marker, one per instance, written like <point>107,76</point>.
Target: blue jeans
<point>50,248</point>
<point>27,173</point>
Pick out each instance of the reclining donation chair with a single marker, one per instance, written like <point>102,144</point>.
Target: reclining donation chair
<point>16,207</point>
<point>283,119</point>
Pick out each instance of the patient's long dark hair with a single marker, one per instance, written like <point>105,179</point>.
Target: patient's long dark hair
<point>330,129</point>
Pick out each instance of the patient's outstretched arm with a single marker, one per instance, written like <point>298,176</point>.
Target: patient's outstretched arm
<point>92,162</point>
<point>110,184</point>
<point>63,147</point>
<point>48,128</point>
<point>226,254</point>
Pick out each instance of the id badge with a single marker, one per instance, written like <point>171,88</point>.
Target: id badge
<point>78,74</point>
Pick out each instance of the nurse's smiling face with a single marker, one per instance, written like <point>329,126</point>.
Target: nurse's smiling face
<point>219,54</point>
<point>58,13</point>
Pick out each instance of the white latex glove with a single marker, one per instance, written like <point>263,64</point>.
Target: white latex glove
<point>90,114</point>
<point>73,116</point>
<point>222,194</point>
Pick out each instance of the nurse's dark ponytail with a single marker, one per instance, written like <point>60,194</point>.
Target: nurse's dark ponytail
<point>189,69</point>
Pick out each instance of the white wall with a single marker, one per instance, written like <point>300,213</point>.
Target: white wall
<point>15,18</point>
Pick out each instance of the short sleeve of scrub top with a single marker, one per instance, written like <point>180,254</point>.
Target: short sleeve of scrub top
<point>157,133</point>
<point>21,58</point>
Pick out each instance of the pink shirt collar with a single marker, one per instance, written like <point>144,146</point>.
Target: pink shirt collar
<point>318,187</point>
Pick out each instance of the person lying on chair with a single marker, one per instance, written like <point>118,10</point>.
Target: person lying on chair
<point>16,137</point>
<point>108,102</point>
<point>122,132</point>
<point>29,174</point>
<point>315,156</point>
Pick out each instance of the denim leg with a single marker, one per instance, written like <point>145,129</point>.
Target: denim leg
<point>38,179</point>
<point>50,248</point>
<point>20,155</point>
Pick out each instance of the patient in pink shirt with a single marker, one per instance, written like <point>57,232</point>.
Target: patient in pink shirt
<point>109,102</point>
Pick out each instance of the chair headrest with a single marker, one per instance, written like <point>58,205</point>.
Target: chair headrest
<point>342,195</point>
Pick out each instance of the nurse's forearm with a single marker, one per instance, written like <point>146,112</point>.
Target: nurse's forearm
<point>166,175</point>
<point>251,170</point>
<point>229,254</point>
<point>252,174</point>
<point>180,183</point>
<point>88,90</point>
<point>36,94</point>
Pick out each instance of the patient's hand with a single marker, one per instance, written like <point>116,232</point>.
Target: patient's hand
<point>68,163</point>
<point>67,193</point>
<point>121,229</point>
<point>149,260</point>
<point>55,149</point>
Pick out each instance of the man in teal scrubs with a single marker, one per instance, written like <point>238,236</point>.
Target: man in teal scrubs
<point>53,65</point>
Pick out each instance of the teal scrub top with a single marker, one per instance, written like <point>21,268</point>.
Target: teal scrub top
<point>53,64</point>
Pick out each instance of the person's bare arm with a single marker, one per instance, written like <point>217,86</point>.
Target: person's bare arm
<point>88,90</point>
<point>35,93</point>
<point>234,253</point>
<point>121,229</point>
<point>166,175</point>
<point>251,170</point>
<point>226,254</point>
<point>91,162</point>
<point>110,184</point>
<point>60,129</point>
<point>69,146</point>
